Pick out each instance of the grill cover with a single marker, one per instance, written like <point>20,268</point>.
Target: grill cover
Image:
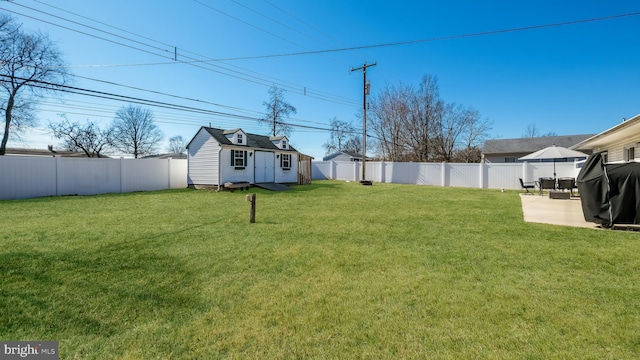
<point>610,193</point>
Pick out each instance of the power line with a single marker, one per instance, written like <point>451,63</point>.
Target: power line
<point>110,96</point>
<point>298,89</point>
<point>442,38</point>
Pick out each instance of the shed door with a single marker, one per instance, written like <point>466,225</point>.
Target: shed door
<point>265,167</point>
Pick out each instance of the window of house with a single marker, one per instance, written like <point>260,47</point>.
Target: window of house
<point>631,154</point>
<point>240,139</point>
<point>285,161</point>
<point>510,159</point>
<point>284,144</point>
<point>238,159</point>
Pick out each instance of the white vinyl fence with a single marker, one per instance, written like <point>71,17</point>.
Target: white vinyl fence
<point>479,175</point>
<point>31,176</point>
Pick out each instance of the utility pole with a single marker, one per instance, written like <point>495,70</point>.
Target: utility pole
<point>365,92</point>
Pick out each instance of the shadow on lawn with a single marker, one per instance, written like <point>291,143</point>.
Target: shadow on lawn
<point>102,292</point>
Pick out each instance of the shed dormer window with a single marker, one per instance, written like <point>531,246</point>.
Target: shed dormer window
<point>240,139</point>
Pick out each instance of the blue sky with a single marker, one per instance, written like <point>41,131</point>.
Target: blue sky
<point>573,79</point>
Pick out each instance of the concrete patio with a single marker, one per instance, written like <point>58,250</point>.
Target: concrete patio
<point>542,209</point>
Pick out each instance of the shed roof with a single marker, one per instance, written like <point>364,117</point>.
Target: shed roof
<point>253,140</point>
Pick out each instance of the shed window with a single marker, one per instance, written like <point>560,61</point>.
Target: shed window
<point>285,161</point>
<point>238,159</point>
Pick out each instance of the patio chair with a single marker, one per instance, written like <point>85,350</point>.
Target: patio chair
<point>547,184</point>
<point>567,184</point>
<point>528,185</point>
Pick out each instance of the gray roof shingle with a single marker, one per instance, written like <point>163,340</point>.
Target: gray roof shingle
<point>529,145</point>
<point>253,140</point>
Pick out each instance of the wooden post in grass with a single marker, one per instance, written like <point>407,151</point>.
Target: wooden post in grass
<point>252,215</point>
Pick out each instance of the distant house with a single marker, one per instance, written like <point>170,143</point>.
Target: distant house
<point>41,152</point>
<point>167,156</point>
<point>619,143</point>
<point>343,156</point>
<point>509,150</point>
<point>217,156</point>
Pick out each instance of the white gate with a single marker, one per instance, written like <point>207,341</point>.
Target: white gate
<point>265,167</point>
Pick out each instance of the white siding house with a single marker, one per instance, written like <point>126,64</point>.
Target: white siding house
<point>619,143</point>
<point>217,156</point>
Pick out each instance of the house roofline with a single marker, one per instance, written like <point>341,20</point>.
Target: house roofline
<point>633,121</point>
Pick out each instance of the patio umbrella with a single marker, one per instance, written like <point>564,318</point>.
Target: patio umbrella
<point>553,152</point>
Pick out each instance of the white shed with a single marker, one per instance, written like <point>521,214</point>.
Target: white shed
<point>217,156</point>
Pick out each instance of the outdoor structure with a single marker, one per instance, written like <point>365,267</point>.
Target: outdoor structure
<point>219,156</point>
<point>616,144</point>
<point>343,156</point>
<point>510,150</point>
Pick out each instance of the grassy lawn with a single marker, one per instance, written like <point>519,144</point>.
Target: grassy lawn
<point>331,270</point>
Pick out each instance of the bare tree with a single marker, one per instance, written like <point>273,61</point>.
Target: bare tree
<point>341,132</point>
<point>29,64</point>
<point>532,131</point>
<point>389,115</point>
<point>278,110</point>
<point>177,145</point>
<point>415,124</point>
<point>88,138</point>
<point>474,134</point>
<point>133,131</point>
<point>354,144</point>
<point>427,113</point>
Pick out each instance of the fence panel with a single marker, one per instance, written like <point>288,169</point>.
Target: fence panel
<point>477,175</point>
<point>346,170</point>
<point>503,176</point>
<point>88,176</point>
<point>463,175</point>
<point>144,175</point>
<point>178,171</point>
<point>30,176</point>
<point>23,177</point>
<point>321,170</point>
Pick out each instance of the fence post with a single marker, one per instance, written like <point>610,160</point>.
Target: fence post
<point>169,173</point>
<point>57,160</point>
<point>382,179</point>
<point>332,164</point>
<point>121,175</point>
<point>443,180</point>
<point>482,169</point>
<point>252,212</point>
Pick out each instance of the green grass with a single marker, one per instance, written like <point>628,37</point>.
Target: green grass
<point>331,270</point>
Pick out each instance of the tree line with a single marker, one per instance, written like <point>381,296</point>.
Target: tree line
<point>410,123</point>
